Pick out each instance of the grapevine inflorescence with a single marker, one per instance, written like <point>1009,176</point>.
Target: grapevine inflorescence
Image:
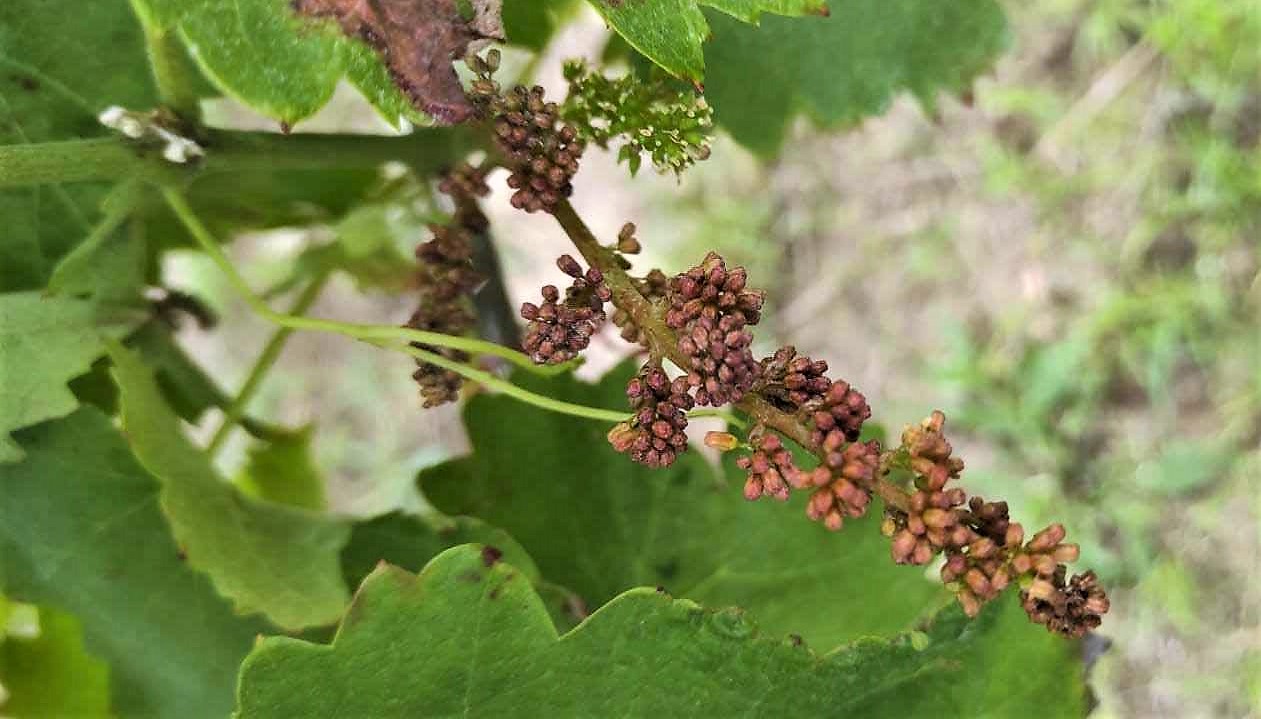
<point>700,320</point>
<point>561,328</point>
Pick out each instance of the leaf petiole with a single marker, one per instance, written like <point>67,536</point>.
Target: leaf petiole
<point>368,333</point>
<point>390,337</point>
<point>491,381</point>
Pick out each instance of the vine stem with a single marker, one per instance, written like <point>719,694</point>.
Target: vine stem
<point>266,360</point>
<point>662,341</point>
<point>114,157</point>
<point>171,71</point>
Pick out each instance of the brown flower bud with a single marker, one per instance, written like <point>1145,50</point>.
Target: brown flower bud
<point>626,242</point>
<point>769,466</point>
<point>721,441</point>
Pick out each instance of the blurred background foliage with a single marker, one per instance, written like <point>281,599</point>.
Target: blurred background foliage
<point>1066,264</point>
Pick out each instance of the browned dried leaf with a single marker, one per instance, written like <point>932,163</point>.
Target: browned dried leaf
<point>418,40</point>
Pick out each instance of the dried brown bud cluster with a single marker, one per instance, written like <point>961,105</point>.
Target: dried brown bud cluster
<point>769,466</point>
<point>712,309</point>
<point>930,452</point>
<point>930,523</point>
<point>840,485</point>
<point>790,381</point>
<point>627,244</point>
<point>796,383</point>
<point>1071,609</point>
<point>542,151</point>
<point>558,330</point>
<point>464,180</point>
<point>445,277</point>
<point>656,433</point>
<point>985,551</point>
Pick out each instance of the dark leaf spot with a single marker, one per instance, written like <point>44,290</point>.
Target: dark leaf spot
<point>490,555</point>
<point>668,570</point>
<point>25,82</point>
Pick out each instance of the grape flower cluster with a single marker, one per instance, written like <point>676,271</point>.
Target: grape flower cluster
<point>984,550</point>
<point>445,278</point>
<point>701,320</point>
<point>712,310</point>
<point>655,434</point>
<point>559,328</point>
<point>541,151</point>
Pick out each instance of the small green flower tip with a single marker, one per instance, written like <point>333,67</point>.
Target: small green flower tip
<point>919,641</point>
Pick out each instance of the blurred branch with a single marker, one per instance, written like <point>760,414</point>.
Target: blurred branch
<point>495,317</point>
<point>1103,91</point>
<point>266,360</point>
<point>115,157</point>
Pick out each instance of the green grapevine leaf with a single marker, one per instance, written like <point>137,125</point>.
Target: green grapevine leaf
<point>108,265</point>
<point>51,675</point>
<point>44,342</point>
<point>598,523</point>
<point>81,530</point>
<point>58,69</point>
<point>184,384</point>
<point>847,66</point>
<point>186,387</point>
<point>259,196</point>
<point>267,558</point>
<point>410,542</point>
<point>283,471</point>
<point>259,52</point>
<point>531,23</point>
<point>670,32</point>
<point>470,637</point>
